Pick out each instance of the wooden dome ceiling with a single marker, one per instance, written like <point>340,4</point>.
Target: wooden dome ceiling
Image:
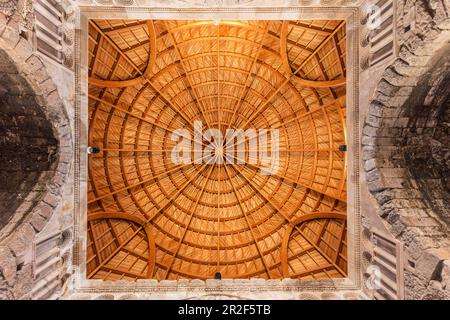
<point>151,218</point>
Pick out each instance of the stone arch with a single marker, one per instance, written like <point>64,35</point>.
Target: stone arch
<point>46,117</point>
<point>34,86</point>
<point>405,156</point>
<point>29,147</point>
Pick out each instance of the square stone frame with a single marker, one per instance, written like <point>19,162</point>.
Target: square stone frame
<point>353,281</point>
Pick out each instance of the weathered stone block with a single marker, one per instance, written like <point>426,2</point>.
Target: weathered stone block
<point>373,121</point>
<point>370,164</point>
<point>9,38</point>
<point>394,172</point>
<point>48,86</point>
<point>445,275</point>
<point>40,75</point>
<point>20,243</point>
<point>419,222</point>
<point>368,141</point>
<point>397,228</point>
<point>370,131</point>
<point>7,265</point>
<point>376,109</point>
<point>51,199</point>
<point>38,222</point>
<point>376,186</point>
<point>387,88</point>
<point>44,210</point>
<point>389,132</point>
<point>23,49</point>
<point>428,264</point>
<point>34,63</point>
<point>398,183</point>
<point>383,197</point>
<point>373,175</point>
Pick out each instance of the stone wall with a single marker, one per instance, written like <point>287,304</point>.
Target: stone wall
<point>219,295</point>
<point>42,144</point>
<point>405,147</point>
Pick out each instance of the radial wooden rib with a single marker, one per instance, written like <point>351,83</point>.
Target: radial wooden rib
<point>175,108</point>
<point>134,219</point>
<point>259,168</point>
<point>294,224</point>
<point>143,226</point>
<point>287,80</point>
<point>288,219</point>
<point>186,74</point>
<point>244,89</point>
<point>249,225</point>
<point>180,242</point>
<point>306,82</point>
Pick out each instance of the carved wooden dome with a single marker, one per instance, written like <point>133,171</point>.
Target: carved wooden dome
<point>149,217</point>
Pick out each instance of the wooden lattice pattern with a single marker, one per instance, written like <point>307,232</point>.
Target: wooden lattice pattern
<point>151,218</point>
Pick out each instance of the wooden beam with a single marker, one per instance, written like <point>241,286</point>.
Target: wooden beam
<point>287,218</point>
<point>94,54</point>
<point>115,106</point>
<point>120,271</point>
<point>310,28</point>
<point>133,219</point>
<point>138,183</point>
<point>124,27</point>
<point>311,271</point>
<point>195,95</point>
<point>94,242</point>
<point>246,88</point>
<point>294,224</point>
<point>341,241</point>
<point>258,168</point>
<point>301,81</point>
<point>248,224</point>
<point>117,250</point>
<point>286,81</point>
<point>177,109</point>
<point>114,83</point>
<point>180,241</point>
<point>339,55</point>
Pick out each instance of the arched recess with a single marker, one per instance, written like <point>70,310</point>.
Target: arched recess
<point>330,261</point>
<point>294,61</point>
<point>405,154</point>
<point>142,73</point>
<point>36,142</point>
<point>38,129</point>
<point>106,252</point>
<point>405,143</point>
<point>28,145</point>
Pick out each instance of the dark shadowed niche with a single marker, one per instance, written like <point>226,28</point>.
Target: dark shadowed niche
<point>426,140</point>
<point>28,147</point>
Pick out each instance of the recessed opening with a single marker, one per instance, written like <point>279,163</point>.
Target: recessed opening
<point>27,143</point>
